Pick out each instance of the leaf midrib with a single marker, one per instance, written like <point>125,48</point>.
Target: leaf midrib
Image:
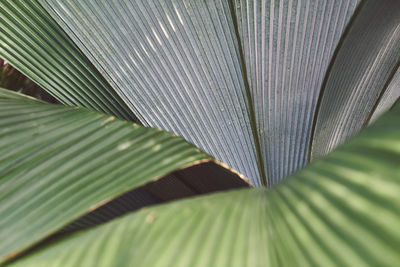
<point>252,116</point>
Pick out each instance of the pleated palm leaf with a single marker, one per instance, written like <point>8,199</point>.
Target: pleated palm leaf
<point>264,87</point>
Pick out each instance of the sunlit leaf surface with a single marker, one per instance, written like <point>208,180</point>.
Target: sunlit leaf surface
<point>343,210</point>
<point>58,163</point>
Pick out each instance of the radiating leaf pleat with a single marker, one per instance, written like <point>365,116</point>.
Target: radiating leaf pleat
<point>389,97</point>
<point>176,65</point>
<point>33,43</point>
<point>368,57</point>
<point>58,163</point>
<point>343,210</point>
<point>287,47</point>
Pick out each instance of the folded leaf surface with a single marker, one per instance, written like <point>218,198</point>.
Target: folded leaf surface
<point>342,210</point>
<point>366,62</point>
<point>34,44</point>
<point>58,163</point>
<point>176,64</point>
<point>287,47</point>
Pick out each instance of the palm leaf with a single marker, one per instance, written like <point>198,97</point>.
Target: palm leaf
<point>34,44</point>
<point>177,64</point>
<point>257,84</point>
<point>241,80</point>
<point>287,47</point>
<point>58,163</point>
<point>343,210</point>
<point>364,67</point>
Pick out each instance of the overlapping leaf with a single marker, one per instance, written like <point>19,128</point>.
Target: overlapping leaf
<point>240,79</point>
<point>365,64</point>
<point>176,64</point>
<point>226,75</point>
<point>33,43</point>
<point>58,163</point>
<point>287,47</point>
<point>343,210</point>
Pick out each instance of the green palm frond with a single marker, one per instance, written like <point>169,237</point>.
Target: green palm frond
<point>262,87</point>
